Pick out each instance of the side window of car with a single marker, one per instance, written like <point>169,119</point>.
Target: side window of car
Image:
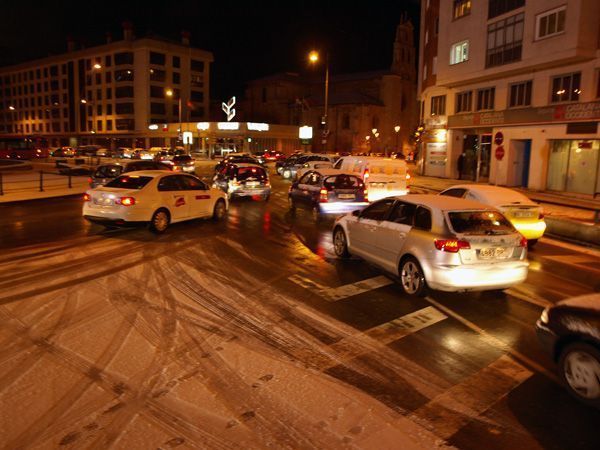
<point>169,184</point>
<point>315,179</point>
<point>192,184</point>
<point>454,192</point>
<point>306,178</point>
<point>378,210</point>
<point>471,196</point>
<point>403,213</point>
<point>423,218</point>
<point>338,164</point>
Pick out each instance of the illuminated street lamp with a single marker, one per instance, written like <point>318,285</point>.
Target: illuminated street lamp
<point>170,93</point>
<point>84,101</point>
<point>313,58</point>
<point>11,107</point>
<point>397,130</point>
<point>97,66</point>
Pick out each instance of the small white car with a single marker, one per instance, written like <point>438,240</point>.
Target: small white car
<point>444,243</point>
<point>156,198</point>
<point>313,165</point>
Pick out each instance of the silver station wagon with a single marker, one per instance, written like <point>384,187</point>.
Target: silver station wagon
<point>443,243</point>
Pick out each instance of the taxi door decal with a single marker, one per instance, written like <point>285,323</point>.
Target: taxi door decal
<point>180,201</point>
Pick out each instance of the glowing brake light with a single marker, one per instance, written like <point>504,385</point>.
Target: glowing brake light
<point>86,197</point>
<point>125,201</point>
<point>523,241</point>
<point>366,175</point>
<point>407,176</point>
<point>323,196</point>
<point>451,245</point>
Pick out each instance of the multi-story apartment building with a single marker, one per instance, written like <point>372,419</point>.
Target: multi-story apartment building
<point>514,84</point>
<point>108,94</point>
<point>367,112</point>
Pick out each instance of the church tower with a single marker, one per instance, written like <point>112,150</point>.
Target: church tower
<point>403,61</point>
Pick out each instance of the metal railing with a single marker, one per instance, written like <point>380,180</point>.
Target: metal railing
<point>40,181</point>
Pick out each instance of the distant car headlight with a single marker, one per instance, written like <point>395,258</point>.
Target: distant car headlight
<point>544,317</point>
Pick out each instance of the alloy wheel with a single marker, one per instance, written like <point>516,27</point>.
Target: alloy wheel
<point>582,372</point>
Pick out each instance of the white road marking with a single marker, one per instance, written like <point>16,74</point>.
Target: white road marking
<point>575,261</point>
<point>236,246</point>
<point>494,341</point>
<point>341,292</point>
<point>576,248</point>
<point>450,411</point>
<point>528,296</point>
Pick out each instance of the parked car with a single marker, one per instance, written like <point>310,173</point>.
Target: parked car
<point>103,152</point>
<point>243,180</point>
<point>313,165</point>
<point>289,160</point>
<point>181,163</point>
<point>570,333</point>
<point>153,197</point>
<point>384,177</point>
<point>272,155</point>
<point>327,191</point>
<point>237,158</point>
<point>526,215</point>
<point>443,243</point>
<point>107,172</point>
<point>290,168</point>
<point>124,152</point>
<point>63,152</point>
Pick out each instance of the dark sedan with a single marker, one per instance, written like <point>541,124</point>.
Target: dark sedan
<point>328,191</point>
<point>570,332</point>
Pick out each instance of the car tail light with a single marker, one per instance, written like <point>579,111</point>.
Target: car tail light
<point>523,241</point>
<point>125,201</point>
<point>90,181</point>
<point>366,175</point>
<point>87,197</point>
<point>176,168</point>
<point>451,245</point>
<point>366,192</point>
<point>323,197</point>
<point>407,176</point>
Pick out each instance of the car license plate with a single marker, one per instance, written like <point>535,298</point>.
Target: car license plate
<point>346,196</point>
<point>103,201</point>
<point>252,183</point>
<point>494,252</point>
<point>523,214</point>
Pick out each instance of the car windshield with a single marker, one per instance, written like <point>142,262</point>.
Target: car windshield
<point>129,182</point>
<point>247,173</point>
<point>132,167</point>
<point>108,171</point>
<point>342,182</point>
<point>480,222</point>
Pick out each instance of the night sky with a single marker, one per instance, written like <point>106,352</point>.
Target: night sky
<point>248,40</point>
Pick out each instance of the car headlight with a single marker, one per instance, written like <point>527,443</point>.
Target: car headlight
<point>544,317</point>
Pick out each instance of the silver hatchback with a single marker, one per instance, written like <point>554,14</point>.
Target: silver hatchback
<point>443,243</point>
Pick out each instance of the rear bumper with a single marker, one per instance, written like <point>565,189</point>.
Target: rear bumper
<point>341,207</point>
<point>476,278</point>
<point>531,230</point>
<point>250,192</point>
<point>113,222</point>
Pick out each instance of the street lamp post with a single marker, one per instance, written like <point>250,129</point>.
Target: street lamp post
<point>170,93</point>
<point>313,57</point>
<point>397,130</point>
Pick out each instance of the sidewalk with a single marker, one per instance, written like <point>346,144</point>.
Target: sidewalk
<point>563,217</point>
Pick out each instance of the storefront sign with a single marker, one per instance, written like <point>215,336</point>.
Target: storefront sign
<point>188,137</point>
<point>499,153</point>
<point>257,126</point>
<point>305,132</point>
<point>203,126</point>
<point>498,138</point>
<point>228,125</point>
<point>228,108</point>
<point>436,157</point>
<point>549,114</point>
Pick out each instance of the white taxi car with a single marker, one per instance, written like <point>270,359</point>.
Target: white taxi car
<point>444,243</point>
<point>526,215</point>
<point>157,198</point>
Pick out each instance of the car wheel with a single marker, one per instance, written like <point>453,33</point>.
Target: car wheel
<point>412,278</point>
<point>160,221</point>
<point>219,211</point>
<point>579,365</point>
<point>340,243</point>
<point>531,243</point>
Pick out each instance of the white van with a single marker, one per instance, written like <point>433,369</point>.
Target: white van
<point>383,177</point>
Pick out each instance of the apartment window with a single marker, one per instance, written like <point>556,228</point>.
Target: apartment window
<point>108,77</point>
<point>90,124</point>
<point>520,94</point>
<point>124,108</point>
<point>123,58</point>
<point>66,126</point>
<point>157,58</point>
<point>108,93</point>
<point>485,98</point>
<point>99,110</point>
<point>505,41</point>
<point>98,78</point>
<point>426,37</point>
<point>157,108</point>
<point>157,92</point>
<point>98,94</point>
<point>176,78</point>
<point>108,60</point>
<point>346,121</point>
<point>124,92</point>
<point>99,125</point>
<point>124,75</point>
<point>64,84</point>
<point>461,8</point>
<point>459,52</point>
<point>434,65</point>
<point>109,125</point>
<point>550,23</point>
<point>197,80</point>
<point>176,62</point>
<point>109,109</point>
<point>566,88</point>
<point>463,101</point>
<point>438,105</point>
<point>197,96</point>
<point>424,71</point>
<point>499,7</point>
<point>157,75</point>
<point>197,66</point>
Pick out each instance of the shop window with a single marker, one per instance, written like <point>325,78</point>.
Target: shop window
<point>520,94</point>
<point>485,98</point>
<point>505,41</point>
<point>573,166</point>
<point>461,8</point>
<point>438,105</point>
<point>566,88</point>
<point>459,52</point>
<point>550,23</point>
<point>463,101</point>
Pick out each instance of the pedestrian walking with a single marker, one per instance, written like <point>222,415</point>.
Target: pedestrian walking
<point>461,165</point>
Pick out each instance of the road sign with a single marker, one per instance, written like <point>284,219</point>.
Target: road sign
<point>499,138</point>
<point>499,153</point>
<point>228,108</point>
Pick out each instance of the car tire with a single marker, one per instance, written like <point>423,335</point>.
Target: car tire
<point>219,211</point>
<point>160,221</point>
<point>340,243</point>
<point>579,365</point>
<point>412,278</point>
<point>531,243</point>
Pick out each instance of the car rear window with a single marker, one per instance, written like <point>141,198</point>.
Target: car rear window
<point>129,182</point>
<point>184,158</point>
<point>343,182</point>
<point>244,173</point>
<point>132,167</point>
<point>108,171</point>
<point>479,222</point>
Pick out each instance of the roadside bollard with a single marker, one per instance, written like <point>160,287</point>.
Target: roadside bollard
<point>41,181</point>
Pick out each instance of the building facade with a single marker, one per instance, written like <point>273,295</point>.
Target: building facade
<point>108,94</point>
<point>514,84</point>
<point>359,103</point>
